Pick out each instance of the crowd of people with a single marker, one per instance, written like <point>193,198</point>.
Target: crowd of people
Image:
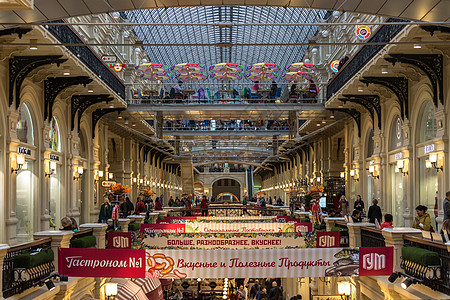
<point>226,125</point>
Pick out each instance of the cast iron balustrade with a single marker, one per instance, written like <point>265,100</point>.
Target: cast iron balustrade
<point>372,237</point>
<point>67,36</point>
<point>159,101</point>
<point>385,34</point>
<point>437,278</point>
<point>16,281</point>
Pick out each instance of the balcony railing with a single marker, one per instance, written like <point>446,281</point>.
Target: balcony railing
<point>67,36</point>
<point>371,237</point>
<point>159,101</point>
<point>435,277</point>
<point>385,34</point>
<point>17,280</point>
<point>231,210</point>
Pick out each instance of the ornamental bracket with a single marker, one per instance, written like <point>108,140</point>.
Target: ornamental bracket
<point>21,66</point>
<point>398,85</point>
<point>354,113</point>
<point>369,102</point>
<point>431,64</point>
<point>79,103</point>
<point>17,30</point>
<point>99,113</point>
<point>54,85</point>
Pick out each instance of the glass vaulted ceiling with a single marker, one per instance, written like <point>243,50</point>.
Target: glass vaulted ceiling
<point>208,55</point>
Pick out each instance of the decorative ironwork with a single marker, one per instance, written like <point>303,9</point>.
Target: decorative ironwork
<point>371,237</point>
<point>18,280</point>
<point>99,113</point>
<point>67,36</point>
<point>80,103</point>
<point>354,113</point>
<point>439,281</point>
<point>432,28</point>
<point>54,85</point>
<point>369,102</point>
<point>431,64</point>
<point>385,34</point>
<point>398,85</point>
<point>17,30</point>
<point>21,66</point>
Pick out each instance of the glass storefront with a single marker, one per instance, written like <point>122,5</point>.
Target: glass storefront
<point>55,196</point>
<point>25,203</point>
<point>427,189</point>
<point>397,192</point>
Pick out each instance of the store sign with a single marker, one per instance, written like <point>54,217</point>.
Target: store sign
<point>163,228</point>
<point>377,261</point>
<point>398,155</point>
<point>119,240</point>
<point>302,227</point>
<point>120,263</point>
<point>283,263</point>
<point>23,150</point>
<point>53,157</point>
<point>108,183</point>
<point>109,58</point>
<point>228,241</point>
<point>396,134</point>
<point>328,239</point>
<point>117,66</point>
<point>428,149</point>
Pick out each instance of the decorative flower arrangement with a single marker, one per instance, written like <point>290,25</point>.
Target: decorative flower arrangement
<point>147,193</point>
<point>120,189</point>
<point>316,188</point>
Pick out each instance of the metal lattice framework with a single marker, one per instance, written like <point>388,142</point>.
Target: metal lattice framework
<point>222,35</point>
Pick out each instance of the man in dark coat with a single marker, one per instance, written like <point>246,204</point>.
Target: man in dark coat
<point>374,212</point>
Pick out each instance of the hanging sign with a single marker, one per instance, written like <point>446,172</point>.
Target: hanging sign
<point>197,227</point>
<point>109,58</point>
<point>228,240</point>
<point>334,66</point>
<point>363,32</point>
<point>107,183</point>
<point>53,157</point>
<point>117,66</point>
<point>119,240</point>
<point>328,239</point>
<point>120,263</point>
<point>283,263</point>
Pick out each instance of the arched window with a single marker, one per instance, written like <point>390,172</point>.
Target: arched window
<point>25,126</point>
<point>427,123</point>
<point>396,134</point>
<point>54,136</point>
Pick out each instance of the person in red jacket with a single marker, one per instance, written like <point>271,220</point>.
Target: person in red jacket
<point>204,206</point>
<point>158,205</point>
<point>188,206</point>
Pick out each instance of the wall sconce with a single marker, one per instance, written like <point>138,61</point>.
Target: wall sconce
<point>342,174</point>
<point>141,181</point>
<point>318,179</point>
<point>344,288</point>
<point>433,158</point>
<point>372,172</point>
<point>100,174</point>
<point>134,180</point>
<point>20,163</point>
<point>51,168</point>
<point>110,289</point>
<point>401,167</point>
<point>354,175</point>
<point>78,173</point>
<point>110,176</point>
<point>311,180</point>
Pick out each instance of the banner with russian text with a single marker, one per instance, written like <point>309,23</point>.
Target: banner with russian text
<point>328,239</point>
<point>283,263</point>
<point>120,263</point>
<point>283,240</point>
<point>198,227</point>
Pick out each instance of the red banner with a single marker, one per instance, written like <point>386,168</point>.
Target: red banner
<point>303,227</point>
<point>163,228</point>
<point>119,240</point>
<point>376,261</point>
<point>168,220</point>
<point>120,263</point>
<point>328,239</point>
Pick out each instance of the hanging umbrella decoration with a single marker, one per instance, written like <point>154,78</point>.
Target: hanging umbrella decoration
<point>226,76</point>
<point>262,72</point>
<point>300,71</point>
<point>189,72</point>
<point>154,72</point>
<point>226,72</point>
<point>301,66</point>
<point>295,76</point>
